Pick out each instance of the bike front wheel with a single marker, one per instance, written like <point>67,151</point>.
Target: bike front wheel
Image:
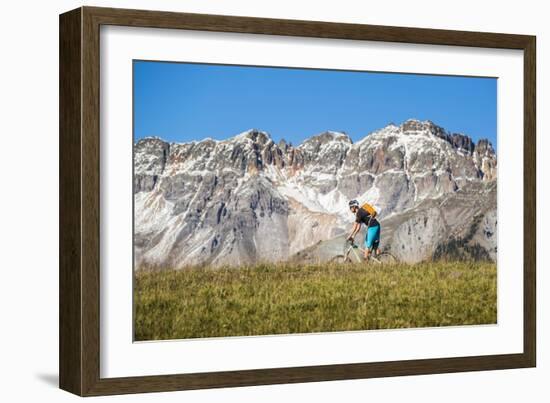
<point>340,259</point>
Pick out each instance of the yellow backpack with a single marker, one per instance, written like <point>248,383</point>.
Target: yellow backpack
<point>369,209</point>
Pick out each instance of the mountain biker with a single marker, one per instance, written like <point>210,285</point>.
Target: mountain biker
<point>362,216</point>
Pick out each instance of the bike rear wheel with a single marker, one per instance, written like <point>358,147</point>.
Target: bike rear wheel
<point>384,258</point>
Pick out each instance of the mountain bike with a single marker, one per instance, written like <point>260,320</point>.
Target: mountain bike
<point>353,253</point>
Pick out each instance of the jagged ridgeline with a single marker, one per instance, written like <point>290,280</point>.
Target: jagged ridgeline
<point>247,199</point>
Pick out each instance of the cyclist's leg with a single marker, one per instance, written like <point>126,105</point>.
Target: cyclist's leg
<point>376,248</point>
<point>373,241</point>
<point>373,235</point>
<point>376,243</point>
<point>366,245</point>
<point>378,239</point>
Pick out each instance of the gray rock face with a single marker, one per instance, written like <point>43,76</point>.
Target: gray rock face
<point>248,199</point>
<point>459,225</point>
<point>151,156</point>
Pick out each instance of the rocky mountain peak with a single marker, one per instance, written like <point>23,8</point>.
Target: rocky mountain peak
<point>316,142</point>
<point>150,142</point>
<point>328,136</point>
<point>461,142</point>
<point>413,126</point>
<point>255,135</point>
<point>484,147</point>
<point>283,145</point>
<point>458,141</point>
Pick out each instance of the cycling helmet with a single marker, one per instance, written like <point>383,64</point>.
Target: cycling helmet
<point>353,203</point>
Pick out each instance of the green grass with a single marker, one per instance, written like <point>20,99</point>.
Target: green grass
<point>279,299</point>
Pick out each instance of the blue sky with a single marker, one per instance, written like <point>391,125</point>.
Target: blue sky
<point>182,101</point>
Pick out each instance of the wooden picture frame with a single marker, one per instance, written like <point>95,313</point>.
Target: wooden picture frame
<point>79,282</point>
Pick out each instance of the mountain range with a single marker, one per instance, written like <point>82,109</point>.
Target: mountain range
<point>249,199</point>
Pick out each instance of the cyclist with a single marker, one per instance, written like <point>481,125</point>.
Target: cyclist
<point>365,215</point>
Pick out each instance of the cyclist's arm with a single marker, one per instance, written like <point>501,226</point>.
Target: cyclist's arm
<point>355,230</point>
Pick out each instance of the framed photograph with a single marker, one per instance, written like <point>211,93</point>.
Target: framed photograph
<point>248,201</point>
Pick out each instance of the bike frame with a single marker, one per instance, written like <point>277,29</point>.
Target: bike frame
<point>353,248</point>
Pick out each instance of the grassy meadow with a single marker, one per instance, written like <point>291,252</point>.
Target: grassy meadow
<point>282,299</point>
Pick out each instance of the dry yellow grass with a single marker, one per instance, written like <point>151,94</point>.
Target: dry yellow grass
<point>282,299</point>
